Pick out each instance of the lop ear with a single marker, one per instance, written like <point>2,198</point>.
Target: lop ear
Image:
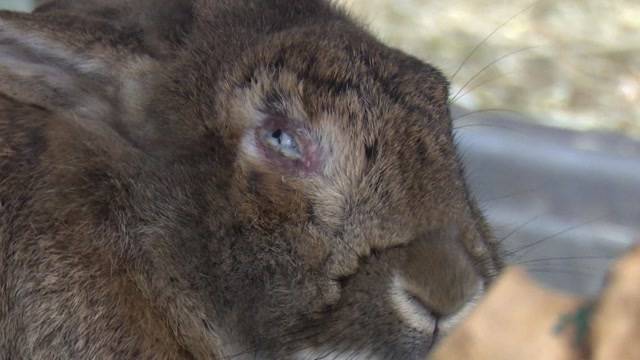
<point>100,89</point>
<point>164,24</point>
<point>40,71</point>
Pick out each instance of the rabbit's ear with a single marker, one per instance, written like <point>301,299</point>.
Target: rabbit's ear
<point>43,72</point>
<point>163,24</point>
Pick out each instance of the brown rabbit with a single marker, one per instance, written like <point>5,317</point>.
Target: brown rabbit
<point>249,179</point>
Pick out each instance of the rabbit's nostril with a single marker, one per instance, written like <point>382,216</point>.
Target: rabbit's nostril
<point>435,336</point>
<point>425,306</point>
<point>411,308</point>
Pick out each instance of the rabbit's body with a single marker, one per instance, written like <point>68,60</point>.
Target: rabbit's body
<point>265,181</point>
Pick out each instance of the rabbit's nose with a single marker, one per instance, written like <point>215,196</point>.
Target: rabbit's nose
<point>416,311</point>
<point>439,274</point>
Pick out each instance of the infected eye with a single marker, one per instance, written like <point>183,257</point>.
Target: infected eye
<point>284,143</point>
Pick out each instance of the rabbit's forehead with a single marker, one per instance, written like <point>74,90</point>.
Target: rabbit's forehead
<point>354,78</point>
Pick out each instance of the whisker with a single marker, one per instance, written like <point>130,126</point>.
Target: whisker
<point>488,111</point>
<point>565,258</point>
<point>516,193</point>
<point>518,228</point>
<point>488,81</point>
<point>552,236</point>
<point>455,97</point>
<point>481,125</point>
<point>489,36</point>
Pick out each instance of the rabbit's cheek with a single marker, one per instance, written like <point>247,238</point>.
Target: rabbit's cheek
<point>312,249</point>
<point>274,205</point>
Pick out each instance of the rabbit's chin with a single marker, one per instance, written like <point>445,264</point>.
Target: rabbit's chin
<point>370,322</point>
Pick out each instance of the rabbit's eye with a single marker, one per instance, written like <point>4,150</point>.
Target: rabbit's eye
<point>283,143</point>
<point>287,146</point>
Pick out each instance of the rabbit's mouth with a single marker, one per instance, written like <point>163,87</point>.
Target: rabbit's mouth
<point>384,311</point>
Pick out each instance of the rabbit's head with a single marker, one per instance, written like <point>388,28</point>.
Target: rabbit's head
<point>291,186</point>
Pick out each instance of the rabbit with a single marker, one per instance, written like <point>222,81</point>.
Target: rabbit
<point>252,180</point>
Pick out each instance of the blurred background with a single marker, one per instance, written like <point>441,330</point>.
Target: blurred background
<point>546,104</point>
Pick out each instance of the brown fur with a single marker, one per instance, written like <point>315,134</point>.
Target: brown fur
<point>135,222</point>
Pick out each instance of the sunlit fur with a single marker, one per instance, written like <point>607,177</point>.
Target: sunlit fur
<point>137,219</point>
